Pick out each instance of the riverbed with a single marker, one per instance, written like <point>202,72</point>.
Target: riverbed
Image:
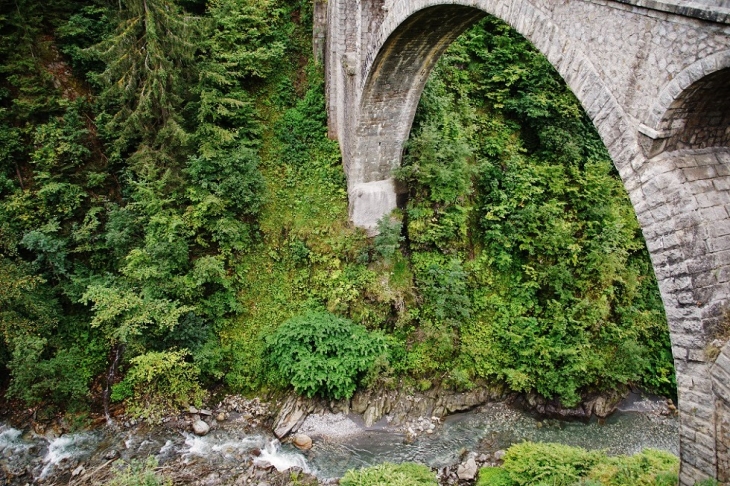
<point>341,442</point>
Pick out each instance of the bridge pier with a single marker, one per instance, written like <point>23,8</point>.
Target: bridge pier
<point>370,201</point>
<point>653,76</point>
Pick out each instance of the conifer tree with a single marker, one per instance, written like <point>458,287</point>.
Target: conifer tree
<point>148,59</point>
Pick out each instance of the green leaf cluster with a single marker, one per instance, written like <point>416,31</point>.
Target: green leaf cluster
<point>158,383</point>
<point>545,464</point>
<point>522,236</point>
<point>137,473</point>
<point>387,474</point>
<point>117,223</point>
<point>321,354</point>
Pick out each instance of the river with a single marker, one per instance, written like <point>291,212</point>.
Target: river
<point>340,442</point>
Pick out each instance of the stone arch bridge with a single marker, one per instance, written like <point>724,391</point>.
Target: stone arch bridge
<point>653,75</point>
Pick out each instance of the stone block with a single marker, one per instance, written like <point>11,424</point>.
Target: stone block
<point>721,183</point>
<point>697,173</point>
<point>689,341</point>
<point>719,244</point>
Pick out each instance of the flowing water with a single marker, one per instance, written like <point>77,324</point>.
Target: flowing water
<point>490,429</point>
<point>486,430</point>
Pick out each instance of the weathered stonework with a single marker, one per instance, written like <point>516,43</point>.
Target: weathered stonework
<point>653,75</point>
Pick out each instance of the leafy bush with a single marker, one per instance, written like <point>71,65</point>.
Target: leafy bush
<point>521,234</point>
<point>321,354</point>
<point>494,476</point>
<point>62,378</point>
<point>407,474</point>
<point>389,237</point>
<point>648,468</point>
<point>555,464</point>
<point>157,383</point>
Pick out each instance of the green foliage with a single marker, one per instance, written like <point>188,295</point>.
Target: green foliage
<point>305,126</point>
<point>159,382</point>
<point>321,354</point>
<point>556,464</point>
<point>147,59</point>
<point>494,476</point>
<point>648,468</point>
<point>62,378</point>
<point>137,473</point>
<point>406,474</point>
<point>707,482</point>
<point>443,285</point>
<point>526,241</point>
<point>438,166</point>
<point>85,28</point>
<point>388,240</point>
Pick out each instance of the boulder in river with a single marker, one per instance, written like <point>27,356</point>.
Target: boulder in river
<point>200,427</point>
<point>292,415</point>
<point>467,470</point>
<point>302,442</point>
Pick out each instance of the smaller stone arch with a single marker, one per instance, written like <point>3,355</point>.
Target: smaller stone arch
<point>693,110</point>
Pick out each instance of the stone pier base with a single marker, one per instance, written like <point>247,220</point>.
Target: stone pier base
<point>370,201</point>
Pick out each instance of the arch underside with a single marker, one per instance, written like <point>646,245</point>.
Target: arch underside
<point>700,116</point>
<point>396,81</point>
<point>680,187</point>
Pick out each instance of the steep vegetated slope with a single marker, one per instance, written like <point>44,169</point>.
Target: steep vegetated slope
<point>172,215</point>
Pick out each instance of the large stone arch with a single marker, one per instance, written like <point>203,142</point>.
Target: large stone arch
<point>405,49</point>
<point>679,187</point>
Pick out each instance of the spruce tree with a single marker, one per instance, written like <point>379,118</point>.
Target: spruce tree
<point>148,60</point>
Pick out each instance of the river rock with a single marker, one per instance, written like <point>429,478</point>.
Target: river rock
<point>292,416</point>
<point>499,455</point>
<point>468,470</point>
<point>302,442</point>
<point>458,402</point>
<point>200,427</point>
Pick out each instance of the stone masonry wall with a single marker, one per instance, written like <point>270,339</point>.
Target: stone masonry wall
<point>682,201</point>
<point>721,387</point>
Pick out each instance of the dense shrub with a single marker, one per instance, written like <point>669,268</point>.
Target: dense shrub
<point>321,354</point>
<point>494,476</point>
<point>555,464</point>
<point>520,232</point>
<point>157,383</point>
<point>648,468</point>
<point>61,377</point>
<point>560,465</point>
<point>387,474</point>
